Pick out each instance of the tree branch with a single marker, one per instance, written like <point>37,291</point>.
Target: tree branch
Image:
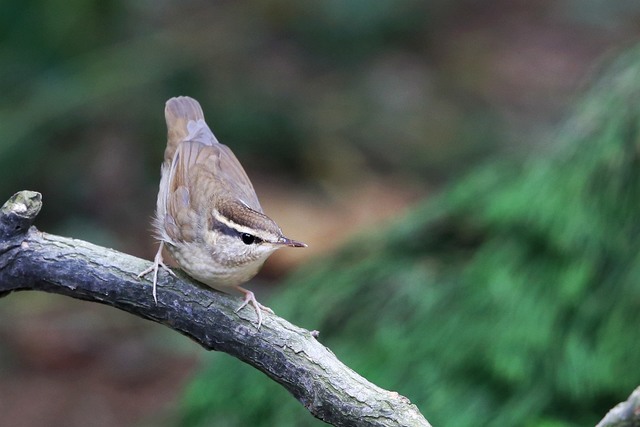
<point>291,356</point>
<point>624,414</point>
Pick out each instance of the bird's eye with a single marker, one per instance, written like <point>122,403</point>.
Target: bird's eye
<point>249,239</point>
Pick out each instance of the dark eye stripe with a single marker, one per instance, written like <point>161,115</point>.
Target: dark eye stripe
<point>223,228</point>
<point>247,238</point>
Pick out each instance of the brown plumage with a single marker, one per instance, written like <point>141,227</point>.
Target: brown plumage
<point>207,213</point>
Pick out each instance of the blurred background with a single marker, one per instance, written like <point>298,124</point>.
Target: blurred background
<point>348,116</point>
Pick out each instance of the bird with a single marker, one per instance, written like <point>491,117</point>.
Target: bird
<point>207,213</point>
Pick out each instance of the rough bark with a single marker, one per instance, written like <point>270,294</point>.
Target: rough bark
<point>624,414</point>
<point>34,260</point>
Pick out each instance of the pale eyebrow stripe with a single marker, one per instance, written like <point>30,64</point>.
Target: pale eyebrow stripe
<point>226,222</point>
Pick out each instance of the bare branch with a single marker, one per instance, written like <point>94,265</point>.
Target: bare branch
<point>291,356</point>
<point>625,414</point>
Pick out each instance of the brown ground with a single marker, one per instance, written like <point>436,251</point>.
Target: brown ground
<point>77,364</point>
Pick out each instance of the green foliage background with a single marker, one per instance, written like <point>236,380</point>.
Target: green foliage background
<point>511,299</point>
<point>311,92</point>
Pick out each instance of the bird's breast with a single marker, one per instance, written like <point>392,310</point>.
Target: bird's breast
<point>202,264</point>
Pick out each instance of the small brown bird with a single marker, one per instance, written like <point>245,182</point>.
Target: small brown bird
<point>207,214</point>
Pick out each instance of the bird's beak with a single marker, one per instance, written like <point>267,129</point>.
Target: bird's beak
<point>292,243</point>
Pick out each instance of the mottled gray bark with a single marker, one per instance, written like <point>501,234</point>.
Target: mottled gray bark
<point>625,414</point>
<point>291,356</point>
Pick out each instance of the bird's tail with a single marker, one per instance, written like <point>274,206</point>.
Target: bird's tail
<point>185,122</point>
